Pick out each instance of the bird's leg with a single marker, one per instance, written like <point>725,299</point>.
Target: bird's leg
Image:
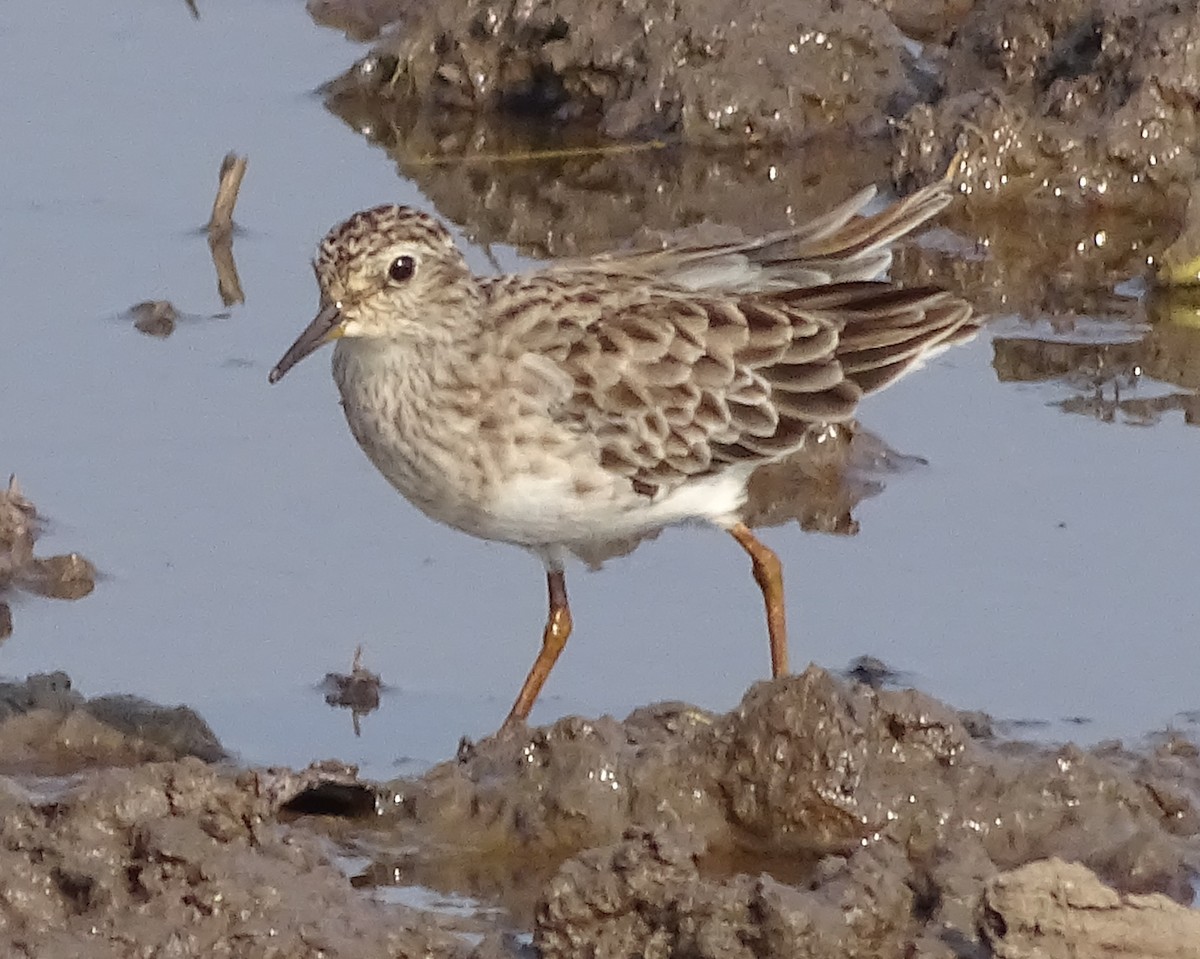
<point>554,638</point>
<point>768,573</point>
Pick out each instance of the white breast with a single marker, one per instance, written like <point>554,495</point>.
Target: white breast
<point>536,487</point>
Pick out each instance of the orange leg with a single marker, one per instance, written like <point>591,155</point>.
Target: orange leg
<point>768,573</point>
<point>554,638</point>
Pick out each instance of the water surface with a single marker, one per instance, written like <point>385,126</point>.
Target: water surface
<point>1040,567</point>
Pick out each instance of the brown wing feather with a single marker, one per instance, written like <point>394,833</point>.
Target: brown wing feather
<point>673,385</point>
<point>683,361</point>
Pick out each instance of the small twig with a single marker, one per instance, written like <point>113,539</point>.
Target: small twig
<point>233,168</point>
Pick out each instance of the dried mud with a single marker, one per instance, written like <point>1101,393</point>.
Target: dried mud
<point>821,817</point>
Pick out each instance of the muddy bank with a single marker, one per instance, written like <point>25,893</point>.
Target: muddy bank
<point>709,73</point>
<point>1082,101</point>
<point>47,728</point>
<point>1087,100</point>
<point>820,817</point>
<point>181,859</point>
<point>808,776</point>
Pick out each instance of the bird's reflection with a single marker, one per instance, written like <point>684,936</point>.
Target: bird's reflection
<point>818,487</point>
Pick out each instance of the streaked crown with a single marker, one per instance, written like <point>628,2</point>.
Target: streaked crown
<point>370,233</point>
<point>390,268</point>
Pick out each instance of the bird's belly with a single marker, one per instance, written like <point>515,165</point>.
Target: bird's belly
<point>539,489</point>
<point>561,503</point>
<point>540,511</point>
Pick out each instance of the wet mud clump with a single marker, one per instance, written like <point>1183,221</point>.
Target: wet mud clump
<point>180,859</point>
<point>1087,100</point>
<point>712,72</point>
<point>357,691</point>
<point>1090,99</point>
<point>151,846</point>
<point>66,576</point>
<point>819,818</point>
<point>47,728</point>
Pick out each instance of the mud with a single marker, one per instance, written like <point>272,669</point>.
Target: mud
<point>823,816</point>
<point>154,317</point>
<point>820,818</point>
<point>49,729</point>
<point>1084,100</point>
<point>654,69</point>
<point>182,859</point>
<point>66,576</point>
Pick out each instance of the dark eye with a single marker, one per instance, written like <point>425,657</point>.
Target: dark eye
<point>401,269</point>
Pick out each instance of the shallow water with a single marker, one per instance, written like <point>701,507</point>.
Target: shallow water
<point>1040,568</point>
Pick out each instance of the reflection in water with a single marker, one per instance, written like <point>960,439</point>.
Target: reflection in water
<point>820,486</point>
<point>817,487</point>
<point>564,193</point>
<point>1103,368</point>
<point>159,318</point>
<point>874,672</point>
<point>1179,264</point>
<point>229,284</point>
<point>357,692</point>
<point>1015,260</point>
<point>547,194</point>
<point>154,317</point>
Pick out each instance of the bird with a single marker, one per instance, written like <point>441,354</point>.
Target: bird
<point>604,398</point>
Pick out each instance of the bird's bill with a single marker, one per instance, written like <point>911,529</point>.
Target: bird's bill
<point>327,326</point>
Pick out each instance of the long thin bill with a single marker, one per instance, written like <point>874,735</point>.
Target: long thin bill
<point>319,332</point>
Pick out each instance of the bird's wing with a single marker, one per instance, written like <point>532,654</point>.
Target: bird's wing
<point>671,384</point>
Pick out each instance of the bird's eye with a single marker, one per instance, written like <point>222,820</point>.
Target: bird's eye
<point>401,269</point>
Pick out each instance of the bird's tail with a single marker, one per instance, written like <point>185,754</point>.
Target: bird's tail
<point>886,331</point>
